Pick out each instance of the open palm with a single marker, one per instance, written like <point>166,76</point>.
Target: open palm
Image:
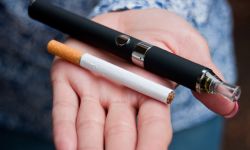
<point>90,112</point>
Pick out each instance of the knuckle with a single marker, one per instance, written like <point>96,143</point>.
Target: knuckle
<point>63,104</point>
<point>150,120</point>
<point>119,129</point>
<point>90,99</point>
<point>59,125</point>
<point>86,124</point>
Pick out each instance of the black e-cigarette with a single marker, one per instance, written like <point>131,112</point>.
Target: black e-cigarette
<point>154,59</point>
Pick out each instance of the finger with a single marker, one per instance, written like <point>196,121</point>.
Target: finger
<point>65,106</point>
<point>90,124</point>
<point>154,126</point>
<point>217,103</point>
<point>120,128</point>
<point>91,115</point>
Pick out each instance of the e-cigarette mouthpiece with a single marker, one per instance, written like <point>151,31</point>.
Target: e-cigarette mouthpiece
<point>229,91</point>
<point>210,83</point>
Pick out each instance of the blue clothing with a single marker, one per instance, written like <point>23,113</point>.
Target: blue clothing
<point>25,91</point>
<point>206,136</point>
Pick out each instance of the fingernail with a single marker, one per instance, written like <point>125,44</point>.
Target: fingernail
<point>233,112</point>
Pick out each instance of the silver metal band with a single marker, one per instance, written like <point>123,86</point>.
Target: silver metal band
<point>205,82</point>
<point>139,53</point>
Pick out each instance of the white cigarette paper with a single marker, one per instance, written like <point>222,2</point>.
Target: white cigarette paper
<point>126,78</point>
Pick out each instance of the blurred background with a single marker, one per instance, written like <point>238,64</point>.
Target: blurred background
<point>237,130</point>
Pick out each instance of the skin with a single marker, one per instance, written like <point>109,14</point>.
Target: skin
<point>92,113</point>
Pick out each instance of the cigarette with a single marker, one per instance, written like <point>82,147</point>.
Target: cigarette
<point>112,72</point>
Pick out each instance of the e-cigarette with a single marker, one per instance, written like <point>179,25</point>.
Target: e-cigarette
<point>154,59</point>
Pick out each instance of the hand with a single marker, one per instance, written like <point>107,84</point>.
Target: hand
<point>90,112</point>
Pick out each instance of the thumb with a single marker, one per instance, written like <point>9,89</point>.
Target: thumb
<point>216,102</point>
